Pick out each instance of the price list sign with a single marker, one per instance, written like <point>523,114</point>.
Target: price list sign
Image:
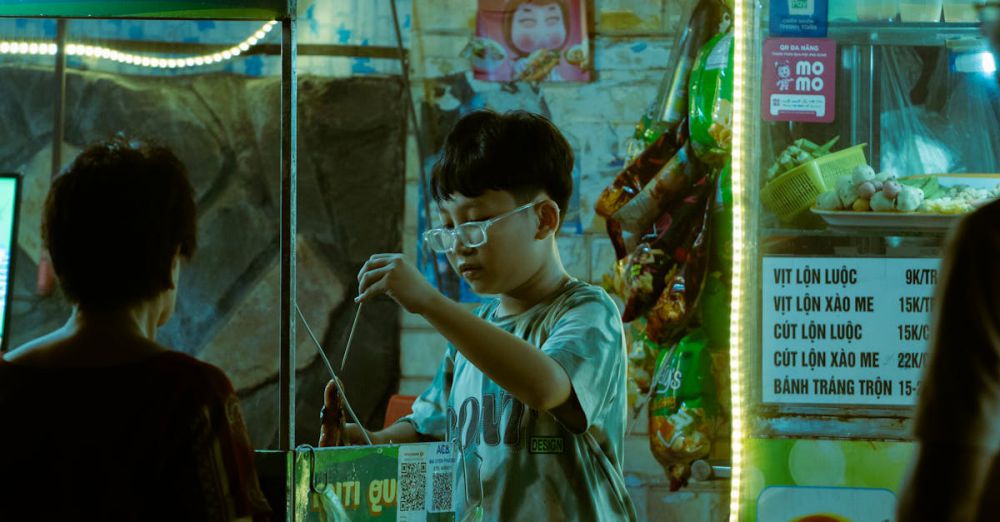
<point>846,331</point>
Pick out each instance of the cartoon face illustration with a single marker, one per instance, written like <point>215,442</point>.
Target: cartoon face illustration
<point>784,70</point>
<point>537,24</point>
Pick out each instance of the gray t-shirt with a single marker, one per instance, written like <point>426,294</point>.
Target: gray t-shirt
<point>523,464</point>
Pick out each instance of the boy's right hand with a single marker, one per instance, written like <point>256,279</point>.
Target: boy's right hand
<point>393,275</point>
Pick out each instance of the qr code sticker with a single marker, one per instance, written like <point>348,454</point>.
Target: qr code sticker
<point>441,484</point>
<point>412,486</point>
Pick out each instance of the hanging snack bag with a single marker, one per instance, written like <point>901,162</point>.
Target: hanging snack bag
<point>629,182</point>
<point>706,18</point>
<point>675,307</point>
<point>711,107</point>
<point>684,412</point>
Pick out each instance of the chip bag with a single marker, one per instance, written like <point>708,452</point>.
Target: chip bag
<point>711,107</point>
<point>684,412</point>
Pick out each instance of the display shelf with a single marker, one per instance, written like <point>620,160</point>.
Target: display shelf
<point>837,232</point>
<point>901,34</point>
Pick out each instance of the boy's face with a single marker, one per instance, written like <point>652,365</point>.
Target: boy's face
<point>538,26</point>
<point>514,249</point>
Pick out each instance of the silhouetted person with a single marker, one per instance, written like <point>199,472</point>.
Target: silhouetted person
<point>97,420</point>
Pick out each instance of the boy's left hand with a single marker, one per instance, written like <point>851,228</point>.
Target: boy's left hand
<point>394,276</point>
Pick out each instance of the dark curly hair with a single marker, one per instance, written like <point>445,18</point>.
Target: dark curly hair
<point>113,221</point>
<point>519,152</point>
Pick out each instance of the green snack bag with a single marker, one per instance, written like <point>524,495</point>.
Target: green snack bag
<point>710,117</point>
<point>684,412</point>
<point>716,297</point>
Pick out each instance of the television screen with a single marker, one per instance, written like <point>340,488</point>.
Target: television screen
<point>10,194</point>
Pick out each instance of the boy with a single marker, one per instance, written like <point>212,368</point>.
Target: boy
<point>532,387</point>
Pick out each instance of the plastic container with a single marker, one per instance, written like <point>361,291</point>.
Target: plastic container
<point>920,10</point>
<point>961,11</point>
<point>843,10</point>
<point>795,191</point>
<point>877,10</point>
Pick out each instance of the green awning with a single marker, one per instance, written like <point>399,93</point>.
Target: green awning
<point>190,9</point>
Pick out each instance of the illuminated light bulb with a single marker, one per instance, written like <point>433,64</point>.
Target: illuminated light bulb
<point>22,47</point>
<point>244,47</point>
<point>33,48</point>
<point>199,61</point>
<point>146,62</point>
<point>190,62</point>
<point>227,55</point>
<point>252,41</point>
<point>260,35</point>
<point>4,47</point>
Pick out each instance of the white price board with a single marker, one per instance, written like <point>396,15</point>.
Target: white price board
<point>846,331</point>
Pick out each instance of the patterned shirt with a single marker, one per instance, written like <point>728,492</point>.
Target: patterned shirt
<point>522,464</point>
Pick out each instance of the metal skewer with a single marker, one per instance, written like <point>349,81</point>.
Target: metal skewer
<point>350,336</point>
<point>333,374</point>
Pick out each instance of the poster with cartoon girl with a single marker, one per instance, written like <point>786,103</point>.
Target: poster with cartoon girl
<point>530,40</point>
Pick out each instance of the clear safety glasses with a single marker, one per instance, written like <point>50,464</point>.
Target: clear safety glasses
<point>471,234</point>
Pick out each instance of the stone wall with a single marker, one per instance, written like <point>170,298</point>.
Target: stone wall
<point>226,130</point>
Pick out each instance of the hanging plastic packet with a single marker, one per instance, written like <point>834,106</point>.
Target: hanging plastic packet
<point>716,297</point>
<point>710,117</point>
<point>684,412</point>
<point>629,182</point>
<point>662,130</point>
<point>669,182</point>
<point>914,139</point>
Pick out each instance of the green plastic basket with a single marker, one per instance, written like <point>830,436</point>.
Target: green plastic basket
<point>795,191</point>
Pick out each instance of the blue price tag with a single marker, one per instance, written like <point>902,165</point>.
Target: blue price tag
<point>805,18</point>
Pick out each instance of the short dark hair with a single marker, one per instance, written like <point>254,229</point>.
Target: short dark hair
<point>518,152</point>
<point>115,218</point>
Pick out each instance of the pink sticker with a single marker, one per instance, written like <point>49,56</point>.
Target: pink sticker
<point>800,79</point>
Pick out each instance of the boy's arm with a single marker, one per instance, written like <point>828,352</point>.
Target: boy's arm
<point>517,366</point>
<point>522,369</point>
<point>398,433</point>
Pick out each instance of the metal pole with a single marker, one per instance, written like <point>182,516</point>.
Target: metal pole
<point>289,224</point>
<point>59,118</point>
<point>289,204</point>
<point>404,64</point>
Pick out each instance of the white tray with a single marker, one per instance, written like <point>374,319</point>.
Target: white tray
<point>901,220</point>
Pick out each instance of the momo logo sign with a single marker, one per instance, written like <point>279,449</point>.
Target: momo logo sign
<point>799,80</point>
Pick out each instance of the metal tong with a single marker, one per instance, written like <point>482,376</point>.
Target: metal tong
<point>329,367</point>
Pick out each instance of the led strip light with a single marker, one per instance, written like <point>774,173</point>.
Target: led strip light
<point>743,13</point>
<point>92,51</point>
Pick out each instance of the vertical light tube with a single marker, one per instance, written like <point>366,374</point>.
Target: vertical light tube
<point>741,103</point>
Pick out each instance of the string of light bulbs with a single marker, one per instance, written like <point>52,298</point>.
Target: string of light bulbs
<point>94,51</point>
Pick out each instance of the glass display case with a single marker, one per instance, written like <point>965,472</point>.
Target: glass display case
<point>855,151</point>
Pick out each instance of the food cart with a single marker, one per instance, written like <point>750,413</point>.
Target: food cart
<point>301,482</point>
<point>851,160</point>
